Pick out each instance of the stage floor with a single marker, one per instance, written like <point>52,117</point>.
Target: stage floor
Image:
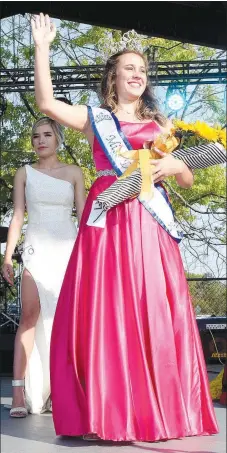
<point>36,434</point>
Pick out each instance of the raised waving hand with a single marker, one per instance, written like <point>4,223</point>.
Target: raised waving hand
<point>43,30</point>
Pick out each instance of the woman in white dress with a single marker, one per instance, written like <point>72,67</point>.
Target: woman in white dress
<point>48,190</point>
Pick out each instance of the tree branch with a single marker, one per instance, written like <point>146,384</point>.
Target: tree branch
<point>210,194</point>
<point>187,204</point>
<point>26,103</point>
<point>70,151</point>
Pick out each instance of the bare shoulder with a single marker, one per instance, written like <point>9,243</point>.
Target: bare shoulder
<point>75,172</point>
<point>165,129</point>
<point>168,126</point>
<point>20,174</point>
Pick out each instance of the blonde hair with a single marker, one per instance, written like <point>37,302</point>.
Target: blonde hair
<point>56,127</point>
<point>147,106</point>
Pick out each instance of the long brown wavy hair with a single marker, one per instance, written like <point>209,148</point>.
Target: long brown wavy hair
<point>147,107</point>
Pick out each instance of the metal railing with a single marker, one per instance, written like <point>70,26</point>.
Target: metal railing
<point>65,78</point>
<point>208,298</point>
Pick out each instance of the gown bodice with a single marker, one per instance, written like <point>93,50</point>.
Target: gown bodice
<point>48,199</point>
<point>136,134</point>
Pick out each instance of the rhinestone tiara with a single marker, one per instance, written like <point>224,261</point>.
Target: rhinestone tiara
<point>129,40</point>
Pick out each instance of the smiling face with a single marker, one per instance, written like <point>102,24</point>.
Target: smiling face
<point>44,140</point>
<point>125,80</point>
<point>131,77</point>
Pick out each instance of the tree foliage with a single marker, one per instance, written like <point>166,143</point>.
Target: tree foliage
<point>208,296</point>
<point>78,44</point>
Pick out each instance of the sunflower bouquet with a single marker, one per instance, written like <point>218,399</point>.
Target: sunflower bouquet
<point>207,150</point>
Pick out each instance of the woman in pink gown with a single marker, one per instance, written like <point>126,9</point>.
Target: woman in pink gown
<point>126,358</point>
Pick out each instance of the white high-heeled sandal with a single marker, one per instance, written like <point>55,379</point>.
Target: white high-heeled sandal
<point>20,411</point>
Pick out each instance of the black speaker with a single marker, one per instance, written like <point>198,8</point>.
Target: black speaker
<point>213,334</point>
<point>6,354</point>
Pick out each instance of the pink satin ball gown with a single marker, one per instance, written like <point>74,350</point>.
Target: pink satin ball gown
<point>126,357</point>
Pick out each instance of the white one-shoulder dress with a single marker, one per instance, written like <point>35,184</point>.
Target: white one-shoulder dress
<point>49,240</point>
